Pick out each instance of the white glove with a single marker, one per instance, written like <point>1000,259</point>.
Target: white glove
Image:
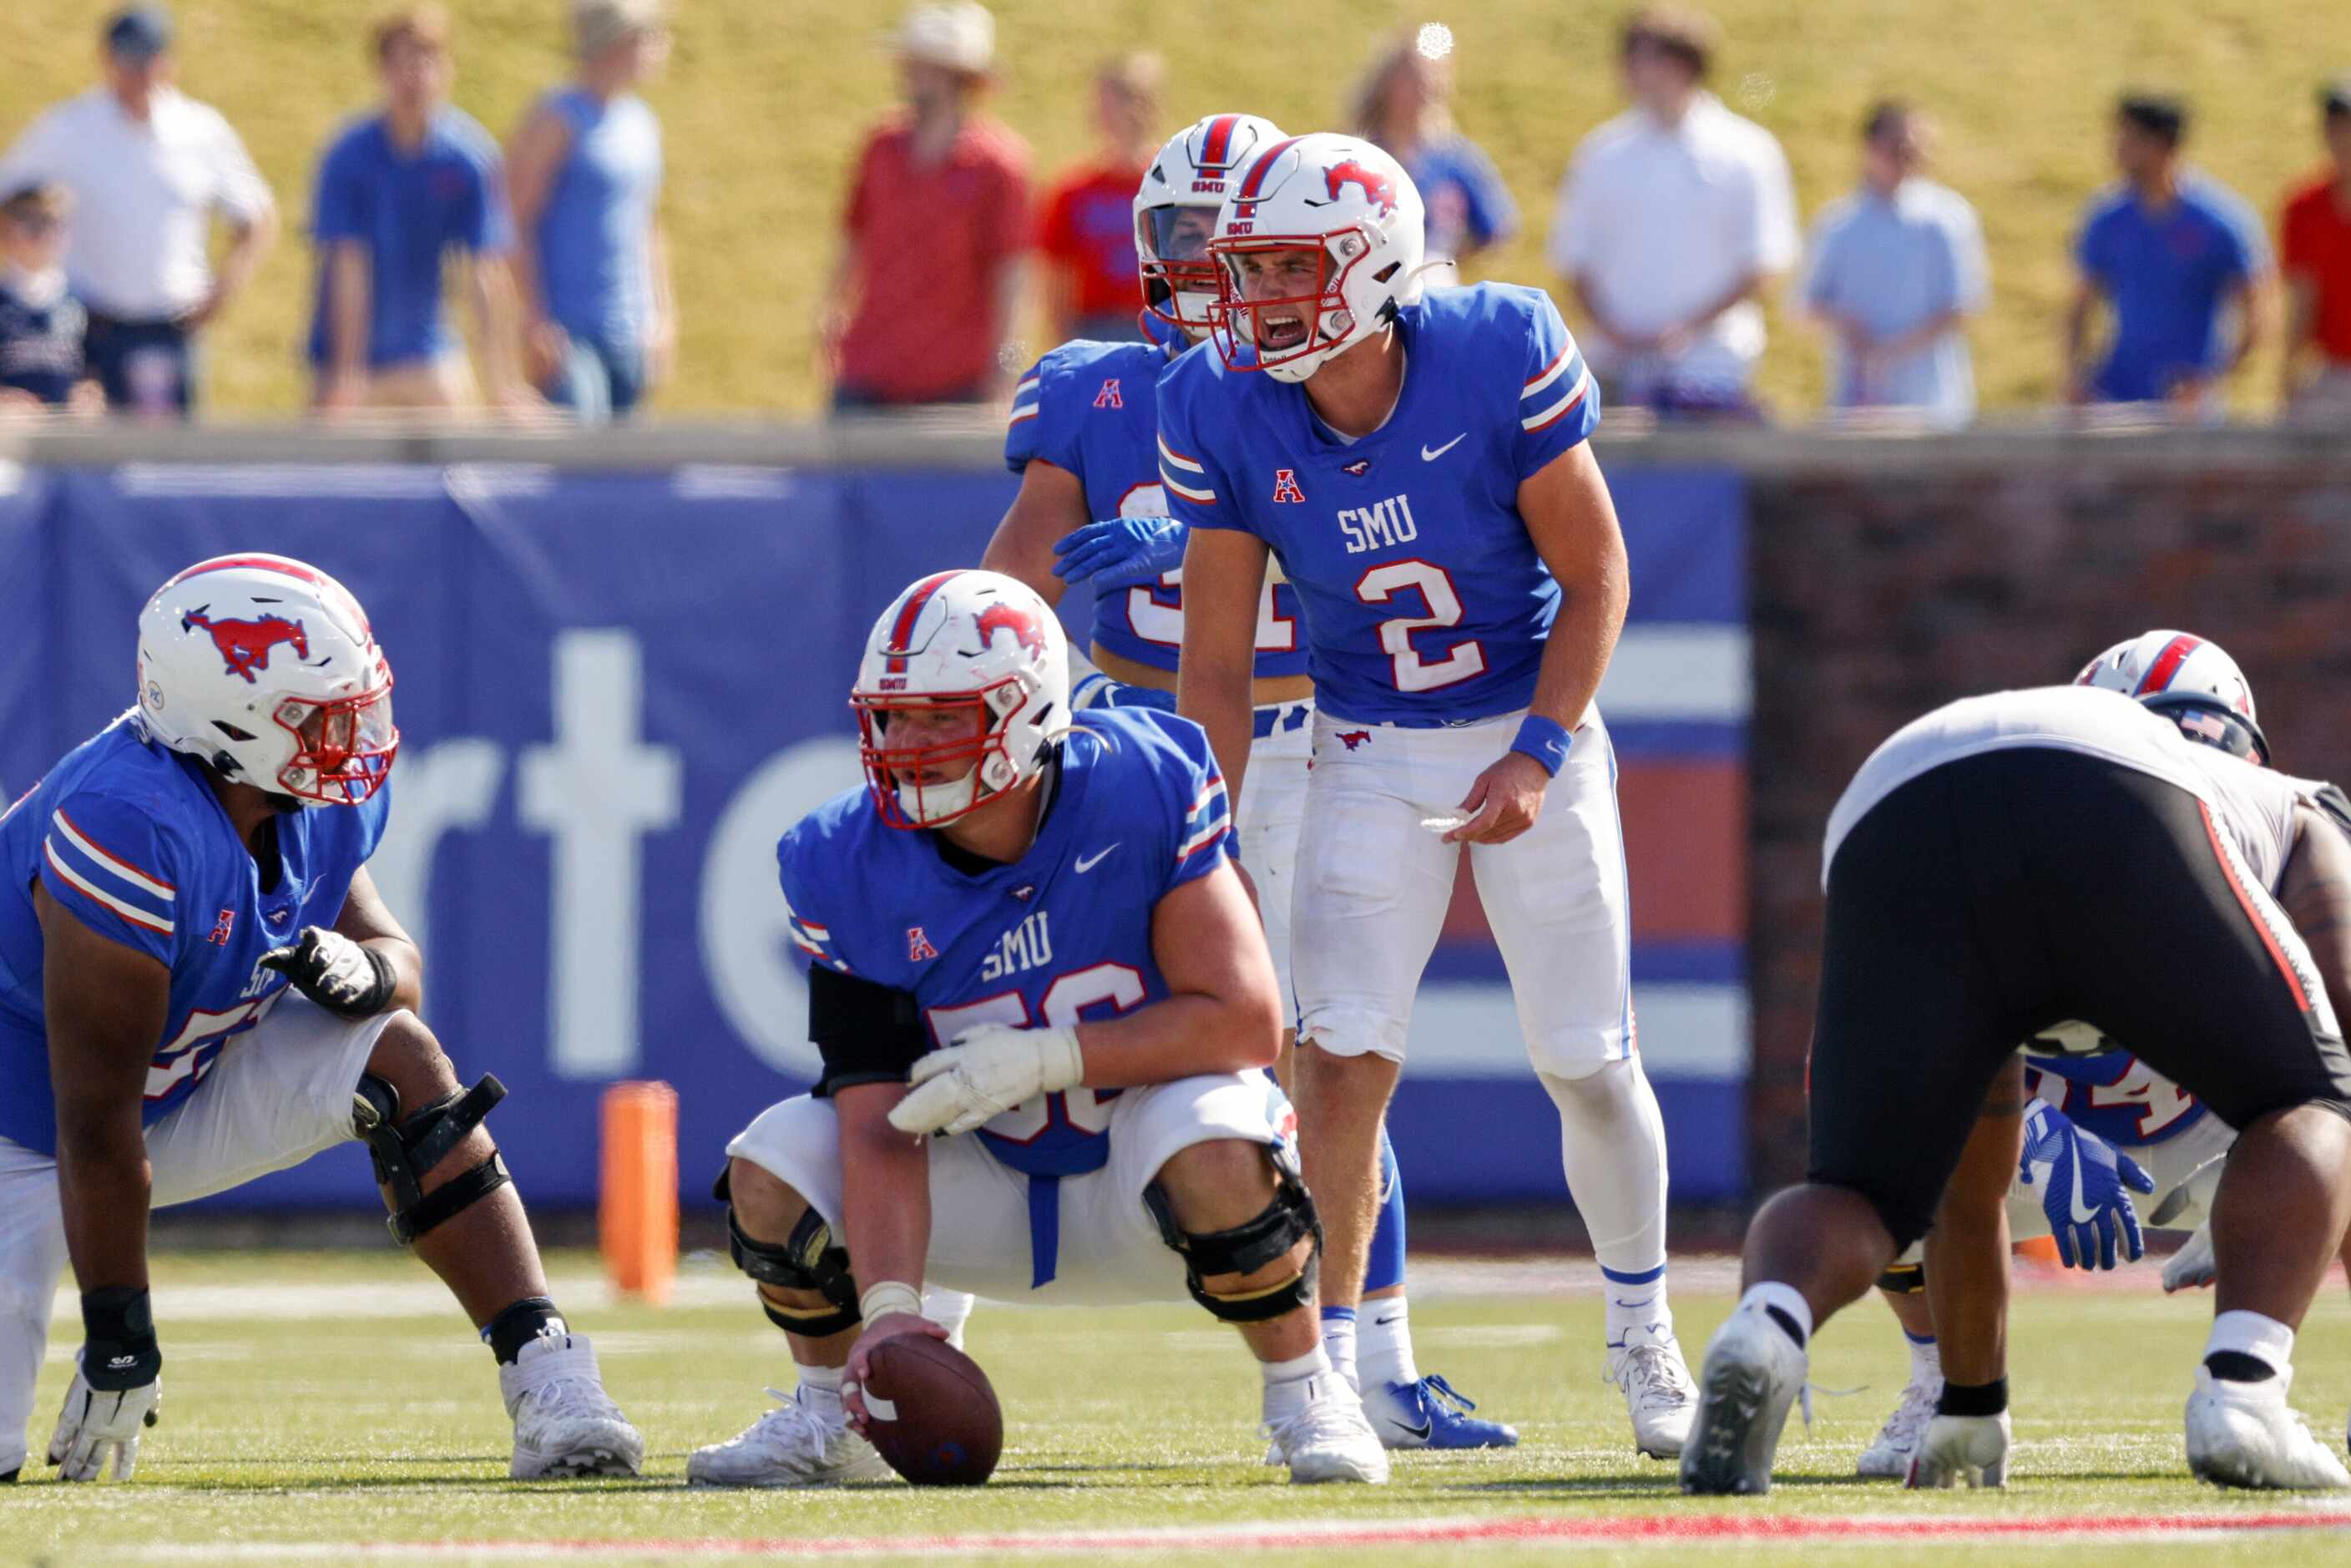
<point>2191,1267</point>
<point>96,1425</point>
<point>989,1069</point>
<point>1970,1449</point>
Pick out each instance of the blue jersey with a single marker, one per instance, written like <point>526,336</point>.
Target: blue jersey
<point>1060,935</point>
<point>2113,1095</point>
<point>1425,600</point>
<point>1090,409</point>
<point>129,839</point>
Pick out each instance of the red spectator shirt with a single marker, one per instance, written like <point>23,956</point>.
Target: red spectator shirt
<point>2315,243</point>
<point>929,239</point>
<point>1088,233</point>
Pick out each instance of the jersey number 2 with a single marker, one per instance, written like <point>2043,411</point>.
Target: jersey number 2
<point>1464,661</point>
<point>1066,998</point>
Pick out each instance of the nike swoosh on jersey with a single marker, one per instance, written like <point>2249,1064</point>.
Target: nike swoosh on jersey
<point>1088,862</point>
<point>1427,455</point>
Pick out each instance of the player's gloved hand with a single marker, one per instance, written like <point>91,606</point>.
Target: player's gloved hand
<point>1970,1449</point>
<point>2192,1267</point>
<point>339,974</point>
<point>1098,690</point>
<point>1121,552</point>
<point>988,1069</point>
<point>117,1390</point>
<point>2085,1185</point>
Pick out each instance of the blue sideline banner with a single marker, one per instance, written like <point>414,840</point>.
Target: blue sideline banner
<point>616,691</point>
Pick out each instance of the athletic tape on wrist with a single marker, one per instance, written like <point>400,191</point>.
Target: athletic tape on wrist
<point>890,1296</point>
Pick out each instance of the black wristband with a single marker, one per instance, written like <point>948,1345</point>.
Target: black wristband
<point>1973,1398</point>
<point>378,995</point>
<point>119,1348</point>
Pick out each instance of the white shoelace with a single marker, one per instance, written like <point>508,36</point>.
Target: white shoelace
<point>1646,1370</point>
<point>1911,1418</point>
<point>1317,1419</point>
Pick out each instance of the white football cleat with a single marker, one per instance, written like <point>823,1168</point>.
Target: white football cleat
<point>1889,1457</point>
<point>1955,1448</point>
<point>1319,1431</point>
<point>1753,1372</point>
<point>2191,1267</point>
<point>565,1424</point>
<point>1648,1370</point>
<point>2246,1435</point>
<point>790,1446</point>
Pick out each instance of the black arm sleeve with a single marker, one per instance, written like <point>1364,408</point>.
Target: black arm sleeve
<point>866,1033</point>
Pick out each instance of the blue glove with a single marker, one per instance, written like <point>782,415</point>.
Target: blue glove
<point>1121,553</point>
<point>2085,1185</point>
<point>1098,690</point>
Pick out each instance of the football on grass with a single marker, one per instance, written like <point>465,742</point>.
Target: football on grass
<point>930,1411</point>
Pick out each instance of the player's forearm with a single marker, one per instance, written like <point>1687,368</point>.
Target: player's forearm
<point>104,1187</point>
<point>885,1188</point>
<point>1182,1037</point>
<point>1214,693</point>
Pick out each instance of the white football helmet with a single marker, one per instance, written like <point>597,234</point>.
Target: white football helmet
<point>266,668</point>
<point>1356,209</point>
<point>2193,682</point>
<point>1190,174</point>
<point>972,641</point>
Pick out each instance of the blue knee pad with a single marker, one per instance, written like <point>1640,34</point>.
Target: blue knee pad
<point>1384,1266</point>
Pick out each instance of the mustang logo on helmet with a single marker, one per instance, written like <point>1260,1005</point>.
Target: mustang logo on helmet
<point>245,645</point>
<point>1021,623</point>
<point>1377,187</point>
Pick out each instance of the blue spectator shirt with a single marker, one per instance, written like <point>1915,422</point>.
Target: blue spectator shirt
<point>2167,274</point>
<point>409,210</point>
<point>1894,263</point>
<point>595,234</point>
<point>40,345</point>
<point>1469,205</point>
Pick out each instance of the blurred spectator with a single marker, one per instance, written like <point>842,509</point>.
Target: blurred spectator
<point>1893,270</point>
<point>2315,254</point>
<point>1086,234</point>
<point>1403,103</point>
<point>591,260</point>
<point>147,165</point>
<point>2171,254</point>
<point>1673,218</point>
<point>397,192</point>
<point>922,299</point>
<point>40,323</point>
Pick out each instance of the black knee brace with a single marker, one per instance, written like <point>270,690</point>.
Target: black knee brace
<point>1247,1248</point>
<point>406,1151</point>
<point>807,1260</point>
<point>1904,1278</point>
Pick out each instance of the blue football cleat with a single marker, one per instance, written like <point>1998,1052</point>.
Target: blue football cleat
<point>1430,1414</point>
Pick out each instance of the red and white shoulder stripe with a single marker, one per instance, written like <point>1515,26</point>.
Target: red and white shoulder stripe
<point>1555,392</point>
<point>108,879</point>
<point>1185,476</point>
<point>1206,822</point>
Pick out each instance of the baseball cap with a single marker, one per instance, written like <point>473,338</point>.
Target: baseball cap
<point>960,36</point>
<point>140,32</point>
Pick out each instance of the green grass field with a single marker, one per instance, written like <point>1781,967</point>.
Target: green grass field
<point>766,100</point>
<point>325,1406</point>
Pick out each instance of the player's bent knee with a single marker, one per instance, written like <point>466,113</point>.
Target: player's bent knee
<point>408,1056</point>
<point>1217,1183</point>
<point>805,1284</point>
<point>1239,1255</point>
<point>407,1145</point>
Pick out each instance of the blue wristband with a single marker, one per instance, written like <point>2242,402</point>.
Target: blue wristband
<point>1544,741</point>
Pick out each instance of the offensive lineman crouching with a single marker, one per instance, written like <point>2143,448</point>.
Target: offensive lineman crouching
<point>199,984</point>
<point>1027,934</point>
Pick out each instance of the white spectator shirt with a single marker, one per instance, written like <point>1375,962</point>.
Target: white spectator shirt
<point>142,192</point>
<point>1661,221</point>
<point>2255,806</point>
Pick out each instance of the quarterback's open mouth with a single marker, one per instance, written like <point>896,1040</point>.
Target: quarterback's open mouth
<point>1281,332</point>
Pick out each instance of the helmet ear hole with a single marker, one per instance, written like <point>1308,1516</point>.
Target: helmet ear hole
<point>232,731</point>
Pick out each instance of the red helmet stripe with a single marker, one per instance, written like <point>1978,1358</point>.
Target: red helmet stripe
<point>1262,167</point>
<point>2166,664</point>
<point>1218,145</point>
<point>912,611</point>
<point>280,564</point>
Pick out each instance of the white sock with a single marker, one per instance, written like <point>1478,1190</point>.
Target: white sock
<point>1612,1141</point>
<point>1339,1343</point>
<point>1787,1299</point>
<point>1926,1360</point>
<point>1297,1369</point>
<point>820,1389</point>
<point>2265,1339</point>
<point>1384,1343</point>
